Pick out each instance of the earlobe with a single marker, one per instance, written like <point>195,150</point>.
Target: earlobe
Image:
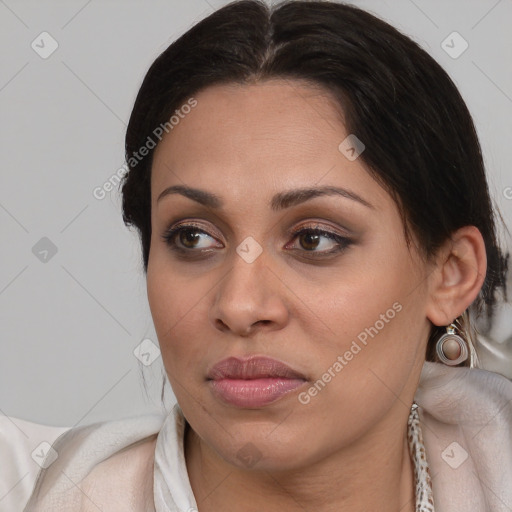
<point>458,277</point>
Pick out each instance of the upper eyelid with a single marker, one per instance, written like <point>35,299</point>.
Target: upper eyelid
<point>191,224</point>
<point>312,226</point>
<point>341,241</point>
<point>341,222</point>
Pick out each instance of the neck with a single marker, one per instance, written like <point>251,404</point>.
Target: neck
<point>374,473</point>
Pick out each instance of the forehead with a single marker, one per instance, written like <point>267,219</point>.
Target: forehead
<point>277,134</point>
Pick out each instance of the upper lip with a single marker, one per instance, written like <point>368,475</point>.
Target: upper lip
<point>255,367</point>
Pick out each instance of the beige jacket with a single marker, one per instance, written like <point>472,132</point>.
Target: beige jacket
<point>137,464</point>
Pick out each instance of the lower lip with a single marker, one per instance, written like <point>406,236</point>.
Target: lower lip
<point>254,392</point>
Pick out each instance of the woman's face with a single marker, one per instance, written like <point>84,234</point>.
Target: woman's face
<point>342,303</point>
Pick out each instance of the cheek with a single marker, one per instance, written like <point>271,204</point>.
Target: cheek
<point>365,292</point>
<point>370,314</point>
<point>170,293</point>
<point>169,305</point>
<point>179,310</point>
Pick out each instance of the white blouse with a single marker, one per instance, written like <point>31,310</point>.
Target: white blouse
<point>466,425</point>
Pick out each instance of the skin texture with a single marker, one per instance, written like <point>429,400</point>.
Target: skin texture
<point>346,448</point>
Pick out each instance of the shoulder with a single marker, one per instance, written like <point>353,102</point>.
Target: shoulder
<point>25,447</point>
<point>124,481</point>
<point>464,395</point>
<point>105,465</point>
<point>467,418</point>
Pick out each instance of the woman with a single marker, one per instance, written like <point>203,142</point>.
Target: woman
<point>318,240</point>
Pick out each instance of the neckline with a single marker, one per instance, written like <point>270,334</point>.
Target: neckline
<point>170,469</point>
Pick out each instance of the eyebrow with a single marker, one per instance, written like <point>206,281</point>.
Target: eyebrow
<point>280,201</point>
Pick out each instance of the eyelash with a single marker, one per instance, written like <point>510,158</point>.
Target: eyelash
<point>170,235</point>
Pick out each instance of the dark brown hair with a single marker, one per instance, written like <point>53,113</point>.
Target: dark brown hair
<point>421,142</point>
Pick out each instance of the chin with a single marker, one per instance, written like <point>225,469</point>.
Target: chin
<point>264,449</point>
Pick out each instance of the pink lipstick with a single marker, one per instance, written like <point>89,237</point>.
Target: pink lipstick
<point>253,382</point>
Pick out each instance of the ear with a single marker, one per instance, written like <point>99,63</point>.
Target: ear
<point>458,276</point>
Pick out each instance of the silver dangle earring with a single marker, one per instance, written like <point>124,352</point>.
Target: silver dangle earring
<point>451,348</point>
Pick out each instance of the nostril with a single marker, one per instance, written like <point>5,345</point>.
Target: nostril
<point>259,322</point>
<point>220,324</point>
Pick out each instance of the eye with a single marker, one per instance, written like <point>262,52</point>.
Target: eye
<point>310,239</point>
<point>184,238</point>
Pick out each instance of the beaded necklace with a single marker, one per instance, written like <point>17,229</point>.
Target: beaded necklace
<point>424,497</point>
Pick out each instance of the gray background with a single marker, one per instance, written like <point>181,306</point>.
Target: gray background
<point>70,324</point>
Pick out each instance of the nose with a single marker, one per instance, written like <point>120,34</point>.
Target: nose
<point>249,297</point>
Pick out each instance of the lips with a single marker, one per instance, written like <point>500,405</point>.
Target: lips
<point>253,382</point>
<point>252,368</point>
